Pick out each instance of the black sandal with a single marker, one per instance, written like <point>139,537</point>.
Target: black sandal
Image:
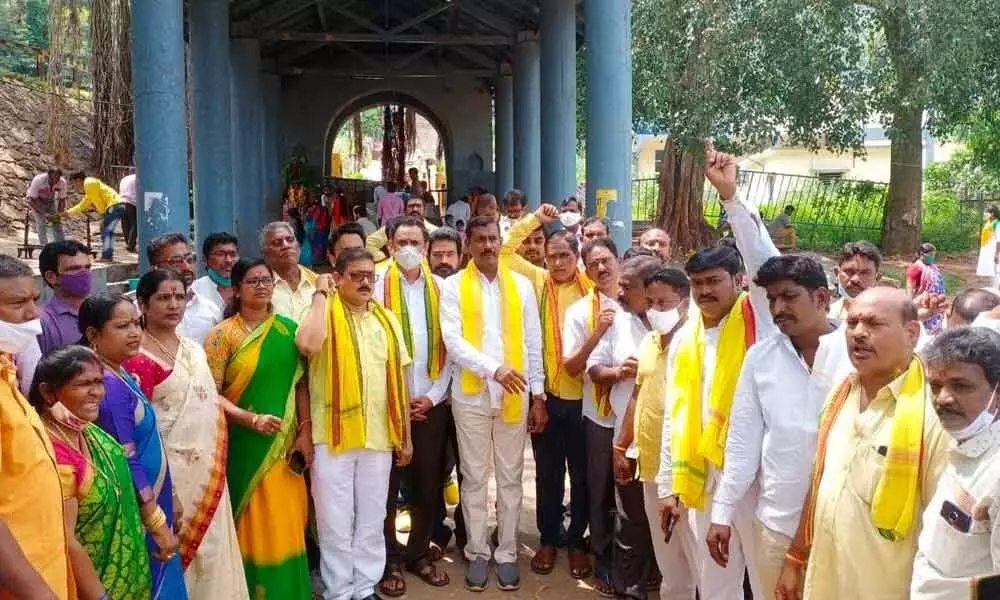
<point>393,585</point>
<point>429,573</point>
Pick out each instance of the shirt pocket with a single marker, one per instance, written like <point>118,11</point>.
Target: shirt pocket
<point>954,553</point>
<point>866,471</point>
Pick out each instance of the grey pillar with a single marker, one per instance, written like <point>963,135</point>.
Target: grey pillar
<point>527,118</point>
<point>558,99</point>
<point>160,119</point>
<point>247,114</point>
<point>271,154</point>
<point>609,113</point>
<point>503,106</point>
<point>210,117</point>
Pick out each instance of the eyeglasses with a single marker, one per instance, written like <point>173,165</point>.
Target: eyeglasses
<point>224,254</point>
<point>362,276</point>
<point>261,282</point>
<point>181,259</point>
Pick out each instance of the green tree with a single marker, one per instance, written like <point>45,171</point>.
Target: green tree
<point>753,72</point>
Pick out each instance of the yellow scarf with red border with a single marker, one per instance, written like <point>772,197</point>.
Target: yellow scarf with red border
<point>396,302</point>
<point>552,326</point>
<point>343,379</point>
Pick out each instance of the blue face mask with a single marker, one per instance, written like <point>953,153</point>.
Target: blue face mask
<point>219,279</point>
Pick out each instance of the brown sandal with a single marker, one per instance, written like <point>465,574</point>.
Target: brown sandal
<point>393,585</point>
<point>429,574</point>
<point>603,587</point>
<point>579,564</point>
<point>435,552</point>
<point>544,560</point>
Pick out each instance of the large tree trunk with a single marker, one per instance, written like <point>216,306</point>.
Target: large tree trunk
<point>111,70</point>
<point>680,209</point>
<point>902,220</point>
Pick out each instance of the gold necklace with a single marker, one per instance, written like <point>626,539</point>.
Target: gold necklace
<point>171,356</point>
<point>54,427</point>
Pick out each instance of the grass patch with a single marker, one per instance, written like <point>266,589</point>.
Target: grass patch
<point>952,283</point>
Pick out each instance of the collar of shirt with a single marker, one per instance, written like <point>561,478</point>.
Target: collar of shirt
<point>302,280</point>
<point>58,307</point>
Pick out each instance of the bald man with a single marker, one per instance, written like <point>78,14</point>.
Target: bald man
<point>858,535</point>
<point>970,303</point>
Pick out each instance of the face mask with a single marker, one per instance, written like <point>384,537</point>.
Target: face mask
<point>219,279</point>
<point>930,258</point>
<point>76,284</point>
<point>409,257</point>
<point>978,425</point>
<point>15,337</point>
<point>663,321</point>
<point>569,219</point>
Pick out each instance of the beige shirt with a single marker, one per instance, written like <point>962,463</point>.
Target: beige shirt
<point>294,303</point>
<point>849,558</point>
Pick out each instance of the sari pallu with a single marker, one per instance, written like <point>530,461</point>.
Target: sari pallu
<point>108,525</point>
<point>195,438</point>
<point>127,415</point>
<point>269,500</point>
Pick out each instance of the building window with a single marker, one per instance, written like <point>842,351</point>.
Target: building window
<point>828,177</point>
<point>657,160</point>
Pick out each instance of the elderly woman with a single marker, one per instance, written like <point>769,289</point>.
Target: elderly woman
<point>107,548</point>
<point>257,367</point>
<point>110,326</point>
<point>923,276</point>
<point>173,373</point>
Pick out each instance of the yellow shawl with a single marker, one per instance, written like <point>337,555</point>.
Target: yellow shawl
<point>601,393</point>
<point>552,325</point>
<point>693,445</point>
<point>396,302</point>
<point>343,379</point>
<point>895,504</point>
<point>986,232</point>
<point>470,301</point>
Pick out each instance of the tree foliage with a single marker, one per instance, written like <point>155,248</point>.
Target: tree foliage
<point>754,72</point>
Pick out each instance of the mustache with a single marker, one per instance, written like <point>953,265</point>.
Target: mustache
<point>364,288</point>
<point>707,298</point>
<point>784,317</point>
<point>943,411</point>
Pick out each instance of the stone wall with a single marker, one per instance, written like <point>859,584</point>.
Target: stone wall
<point>23,152</point>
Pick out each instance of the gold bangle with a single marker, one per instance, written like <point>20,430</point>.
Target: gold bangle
<point>156,520</point>
<point>302,424</point>
<point>797,556</point>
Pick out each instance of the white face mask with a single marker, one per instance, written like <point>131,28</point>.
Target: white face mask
<point>569,219</point>
<point>409,257</point>
<point>15,337</point>
<point>663,321</point>
<point>978,425</point>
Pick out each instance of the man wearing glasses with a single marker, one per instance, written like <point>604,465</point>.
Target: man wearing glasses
<point>173,251</point>
<point>220,251</point>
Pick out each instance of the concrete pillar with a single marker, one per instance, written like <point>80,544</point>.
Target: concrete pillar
<point>271,146</point>
<point>160,119</point>
<point>247,112</point>
<point>527,118</point>
<point>609,113</point>
<point>503,111</point>
<point>210,117</point>
<point>558,101</point>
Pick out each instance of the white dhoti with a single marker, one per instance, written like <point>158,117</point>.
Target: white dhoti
<point>349,491</point>
<point>678,578</point>
<point>484,438</point>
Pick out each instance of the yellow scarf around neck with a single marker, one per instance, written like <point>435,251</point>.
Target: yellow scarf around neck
<point>895,505</point>
<point>986,232</point>
<point>344,384</point>
<point>396,302</point>
<point>601,394</point>
<point>694,445</point>
<point>470,291</point>
<point>552,326</point>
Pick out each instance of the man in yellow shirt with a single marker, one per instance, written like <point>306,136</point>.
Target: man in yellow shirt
<point>561,445</point>
<point>360,416</point>
<point>34,559</point>
<point>879,454</point>
<point>294,284</point>
<point>104,200</point>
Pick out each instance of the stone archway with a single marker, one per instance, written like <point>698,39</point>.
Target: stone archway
<point>378,98</point>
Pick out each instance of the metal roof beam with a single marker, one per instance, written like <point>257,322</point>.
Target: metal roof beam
<point>427,14</point>
<point>390,73</point>
<point>371,38</point>
<point>489,18</point>
<point>353,16</point>
<point>278,12</point>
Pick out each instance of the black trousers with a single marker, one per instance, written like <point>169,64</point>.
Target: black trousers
<point>424,473</point>
<point>600,486</point>
<point>561,445</point>
<point>632,557</point>
<point>130,226</point>
<point>452,461</point>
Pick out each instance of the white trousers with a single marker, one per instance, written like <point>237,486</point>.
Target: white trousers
<point>771,547</point>
<point>715,582</point>
<point>678,577</point>
<point>349,491</point>
<point>484,440</point>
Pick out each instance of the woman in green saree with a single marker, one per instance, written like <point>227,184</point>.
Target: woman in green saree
<point>258,371</point>
<point>108,549</point>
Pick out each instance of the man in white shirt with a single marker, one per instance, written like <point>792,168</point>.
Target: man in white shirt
<point>960,538</point>
<point>405,287</point>
<point>782,388</point>
<point>490,398</point>
<point>858,269</point>
<point>513,205</point>
<point>614,363</point>
<point>697,413</point>
<point>220,251</point>
<point>128,187</point>
<point>582,332</point>
<point>45,196</point>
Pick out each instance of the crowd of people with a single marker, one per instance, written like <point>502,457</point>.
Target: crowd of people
<point>725,426</point>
